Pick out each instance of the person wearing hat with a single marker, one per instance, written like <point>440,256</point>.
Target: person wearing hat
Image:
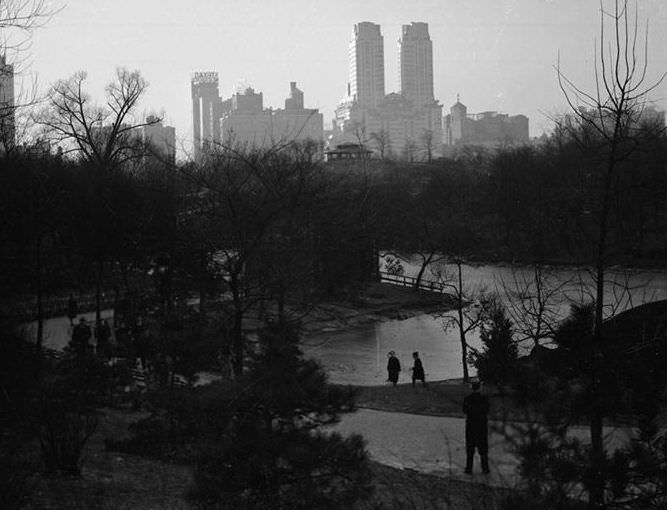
<point>418,370</point>
<point>476,409</point>
<point>80,336</point>
<point>393,367</point>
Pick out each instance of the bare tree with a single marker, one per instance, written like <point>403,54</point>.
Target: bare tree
<point>609,116</point>
<point>534,303</point>
<point>104,136</point>
<point>382,141</point>
<point>18,20</point>
<point>427,144</point>
<point>472,308</point>
<point>253,230</point>
<point>409,150</point>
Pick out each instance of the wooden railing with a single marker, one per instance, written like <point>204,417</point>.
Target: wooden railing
<point>411,281</point>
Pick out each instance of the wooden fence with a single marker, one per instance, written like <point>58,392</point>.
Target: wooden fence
<point>411,281</point>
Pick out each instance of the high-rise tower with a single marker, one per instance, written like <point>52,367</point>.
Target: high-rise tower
<point>416,64</point>
<point>366,85</point>
<point>205,116</point>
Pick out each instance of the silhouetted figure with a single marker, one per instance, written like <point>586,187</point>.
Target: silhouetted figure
<point>81,335</point>
<point>72,309</point>
<point>476,409</point>
<point>393,367</point>
<point>103,337</point>
<point>417,370</point>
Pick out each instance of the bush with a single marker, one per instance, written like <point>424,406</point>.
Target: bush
<point>66,410</point>
<point>498,362</point>
<point>262,446</point>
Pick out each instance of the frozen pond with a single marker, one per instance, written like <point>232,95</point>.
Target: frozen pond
<point>359,356</point>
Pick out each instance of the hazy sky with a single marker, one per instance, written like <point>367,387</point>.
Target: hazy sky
<point>497,54</point>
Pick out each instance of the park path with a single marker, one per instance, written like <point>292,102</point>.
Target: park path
<point>436,444</point>
<point>58,331</point>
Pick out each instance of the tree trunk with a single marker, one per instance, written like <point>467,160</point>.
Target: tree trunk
<point>238,342</point>
<point>426,261</point>
<point>202,280</point>
<point>464,344</point>
<point>40,308</point>
<point>596,495</point>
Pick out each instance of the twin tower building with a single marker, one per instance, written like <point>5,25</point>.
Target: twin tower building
<point>406,124</point>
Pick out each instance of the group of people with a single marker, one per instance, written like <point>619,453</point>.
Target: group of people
<point>126,341</point>
<point>475,408</point>
<point>394,368</point>
<point>82,334</point>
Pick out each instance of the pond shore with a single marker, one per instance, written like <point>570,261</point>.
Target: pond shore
<point>378,302</point>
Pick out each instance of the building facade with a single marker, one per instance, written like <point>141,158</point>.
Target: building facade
<point>366,84</point>
<point>485,128</point>
<point>416,64</point>
<point>206,111</point>
<point>243,123</point>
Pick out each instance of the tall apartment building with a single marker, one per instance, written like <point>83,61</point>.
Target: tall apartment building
<point>7,106</point>
<point>366,85</point>
<point>406,125</point>
<point>206,106</point>
<point>416,64</point>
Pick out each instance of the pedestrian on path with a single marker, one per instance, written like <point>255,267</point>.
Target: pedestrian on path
<point>72,309</point>
<point>476,409</point>
<point>393,367</point>
<point>417,370</point>
<point>81,335</point>
<point>103,338</point>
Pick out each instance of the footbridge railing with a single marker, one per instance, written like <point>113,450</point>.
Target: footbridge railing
<point>411,281</point>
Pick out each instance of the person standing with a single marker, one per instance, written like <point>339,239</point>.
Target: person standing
<point>393,368</point>
<point>417,370</point>
<point>103,337</point>
<point>476,409</point>
<point>81,336</point>
<point>72,309</point>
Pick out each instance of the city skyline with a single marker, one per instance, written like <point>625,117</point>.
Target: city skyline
<point>496,55</point>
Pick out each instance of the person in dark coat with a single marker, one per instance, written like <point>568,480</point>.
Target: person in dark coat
<point>476,409</point>
<point>393,367</point>
<point>72,310</point>
<point>103,337</point>
<point>81,335</point>
<point>417,370</point>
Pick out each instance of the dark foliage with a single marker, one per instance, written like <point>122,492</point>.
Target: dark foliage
<point>497,363</point>
<point>66,409</point>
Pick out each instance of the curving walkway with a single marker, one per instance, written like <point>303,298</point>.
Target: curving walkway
<point>436,444</point>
